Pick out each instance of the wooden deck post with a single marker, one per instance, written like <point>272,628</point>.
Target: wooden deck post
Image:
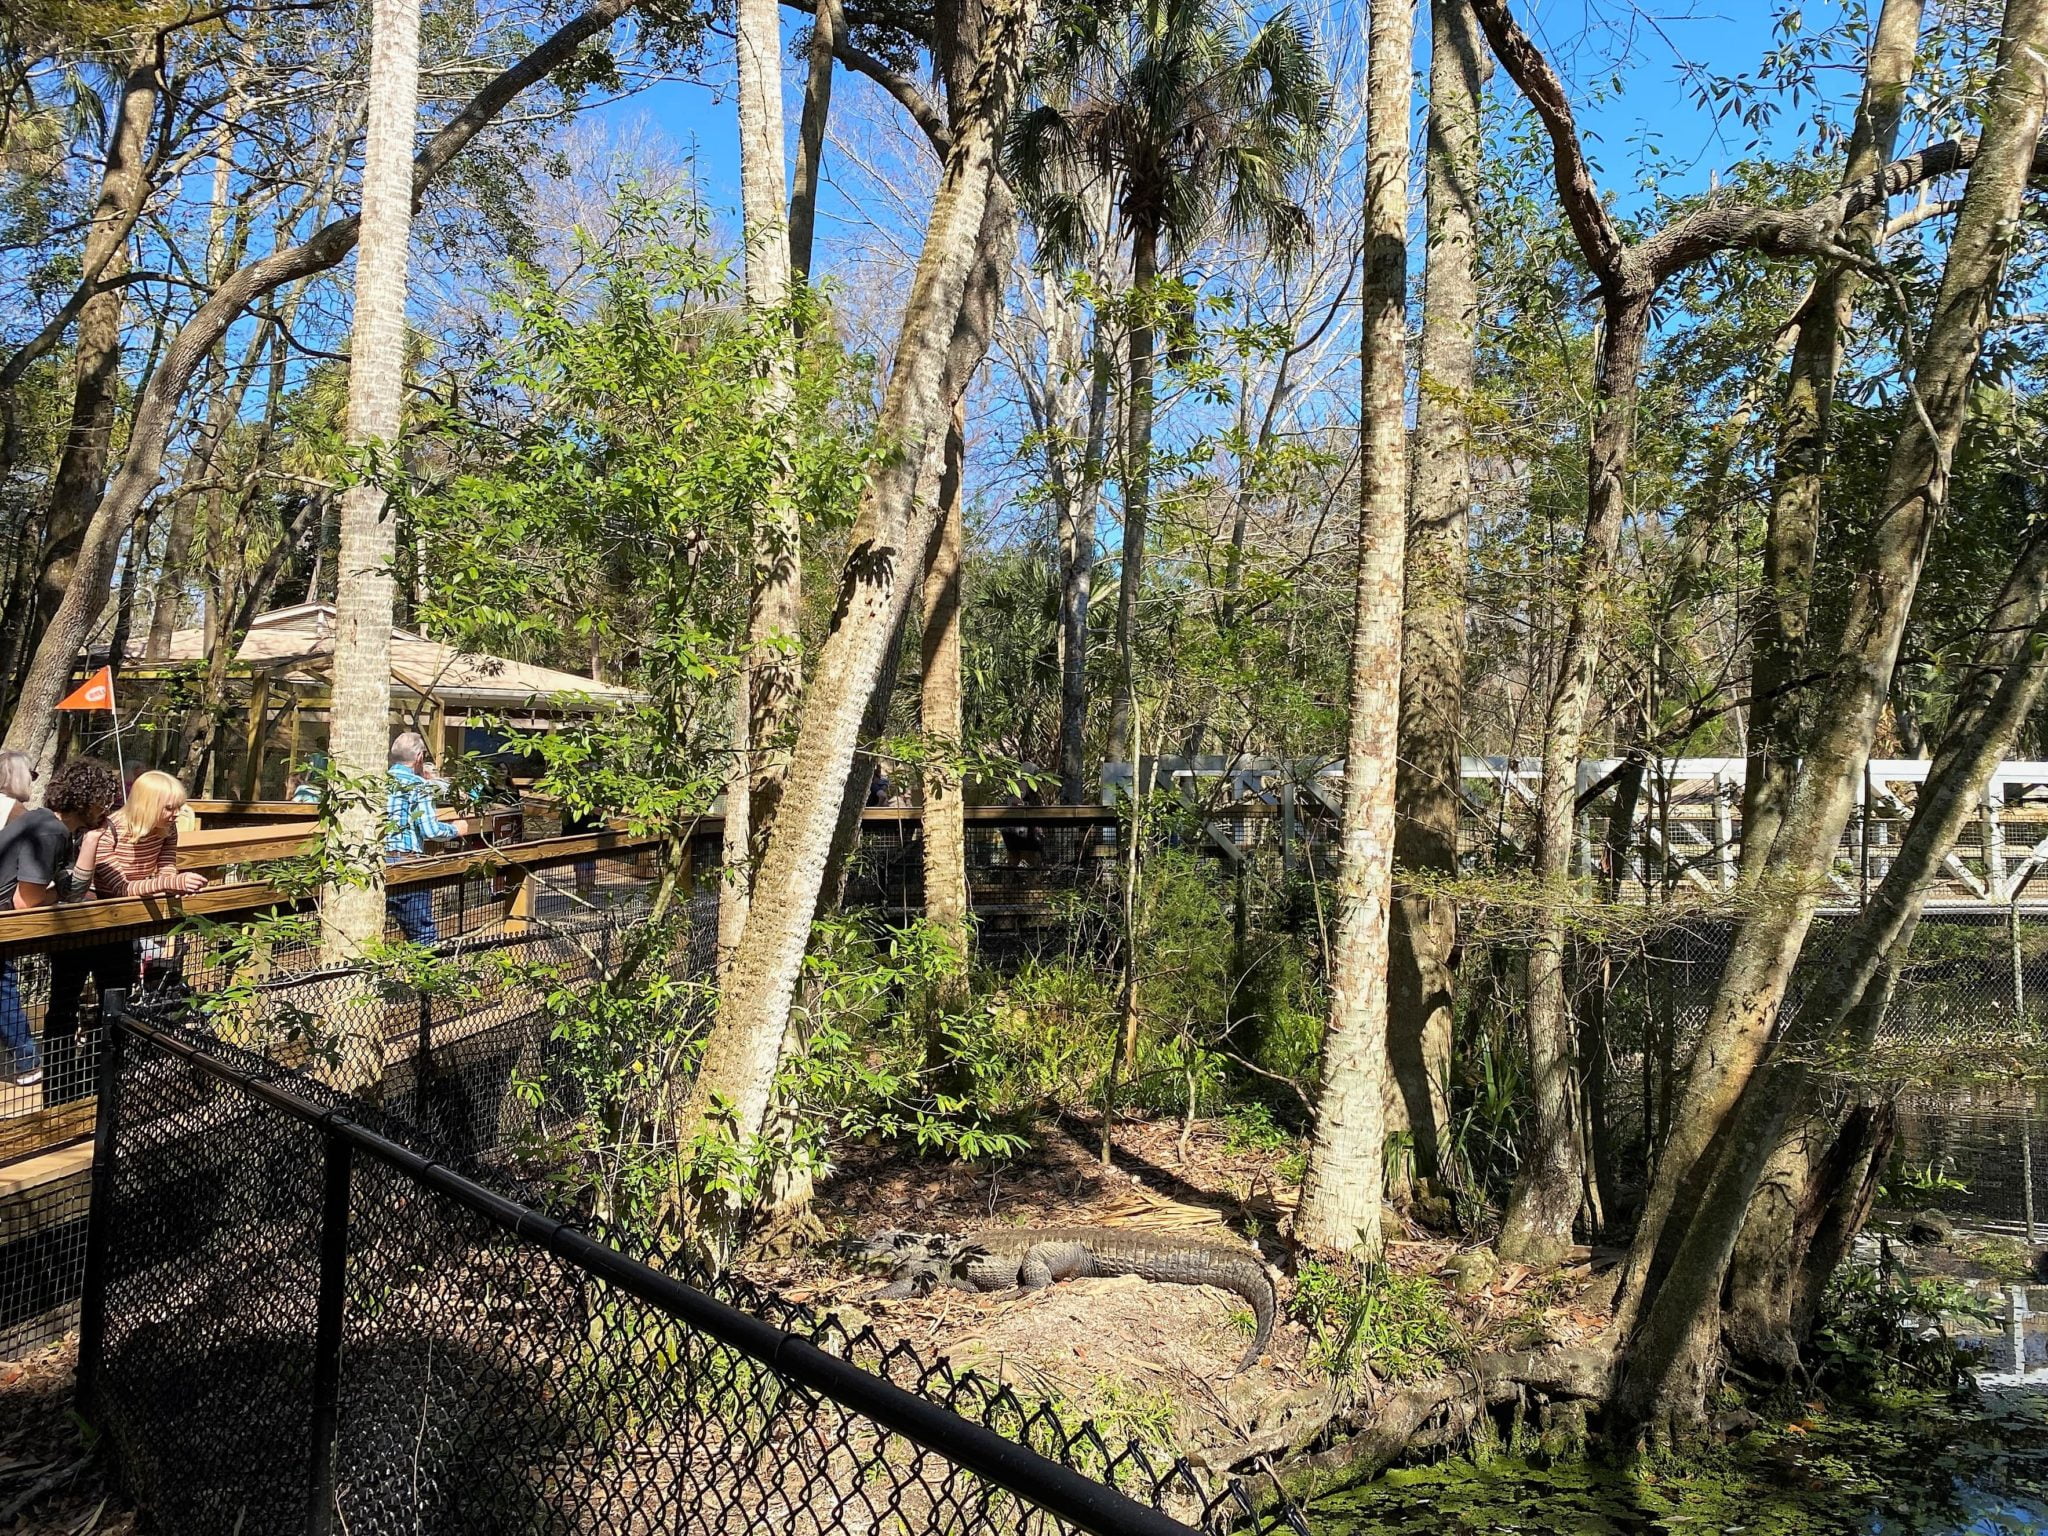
<point>519,915</point>
<point>254,736</point>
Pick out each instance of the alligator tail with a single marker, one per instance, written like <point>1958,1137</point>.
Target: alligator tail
<point>1257,1289</point>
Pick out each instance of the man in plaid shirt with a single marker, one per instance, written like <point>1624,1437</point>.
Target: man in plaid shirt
<point>410,823</point>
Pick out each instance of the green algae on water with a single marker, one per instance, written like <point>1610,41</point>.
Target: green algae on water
<point>1924,1468</point>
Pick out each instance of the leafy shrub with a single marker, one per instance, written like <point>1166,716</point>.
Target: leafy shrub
<point>1372,1318</point>
<point>1881,1330</point>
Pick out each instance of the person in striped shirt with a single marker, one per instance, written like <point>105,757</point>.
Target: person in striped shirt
<point>136,853</point>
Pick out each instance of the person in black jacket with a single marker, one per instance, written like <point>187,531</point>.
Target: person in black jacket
<point>37,869</point>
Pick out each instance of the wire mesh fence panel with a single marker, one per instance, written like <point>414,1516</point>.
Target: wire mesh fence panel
<point>492,1370</point>
<point>204,1383</point>
<point>488,1386</point>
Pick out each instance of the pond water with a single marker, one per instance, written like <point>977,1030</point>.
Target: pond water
<point>1981,1157</point>
<point>1925,1466</point>
<point>1928,1469</point>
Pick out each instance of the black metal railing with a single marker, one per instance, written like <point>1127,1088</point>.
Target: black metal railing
<point>295,1321</point>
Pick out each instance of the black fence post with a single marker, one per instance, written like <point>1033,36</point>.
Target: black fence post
<point>99,1214</point>
<point>327,1335</point>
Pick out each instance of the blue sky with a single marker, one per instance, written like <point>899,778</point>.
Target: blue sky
<point>1654,54</point>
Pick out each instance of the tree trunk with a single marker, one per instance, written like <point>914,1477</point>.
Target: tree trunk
<point>359,736</point>
<point>1671,1355</point>
<point>1137,488</point>
<point>745,1044</point>
<point>810,148</point>
<point>1421,983</point>
<point>1767,943</point>
<point>74,548</point>
<point>1077,558</point>
<point>1784,601</point>
<point>169,594</point>
<point>945,822</point>
<point>1342,1189</point>
<point>156,412</point>
<point>773,670</point>
<point>131,578</point>
<point>96,361</point>
<point>1538,1227</point>
<point>1808,1206</point>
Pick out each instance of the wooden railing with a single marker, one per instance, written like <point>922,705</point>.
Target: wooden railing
<point>114,918</point>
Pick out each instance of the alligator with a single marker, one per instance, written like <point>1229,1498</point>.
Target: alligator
<point>1030,1258</point>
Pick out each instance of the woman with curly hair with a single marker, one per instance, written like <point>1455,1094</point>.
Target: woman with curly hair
<point>37,869</point>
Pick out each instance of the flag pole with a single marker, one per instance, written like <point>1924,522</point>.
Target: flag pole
<point>114,710</point>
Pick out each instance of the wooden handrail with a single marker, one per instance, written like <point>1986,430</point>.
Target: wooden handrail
<point>275,810</point>
<point>114,918</point>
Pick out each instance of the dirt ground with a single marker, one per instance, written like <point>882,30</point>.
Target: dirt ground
<point>50,1484</point>
<point>1152,1361</point>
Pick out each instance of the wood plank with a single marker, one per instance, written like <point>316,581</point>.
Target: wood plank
<point>45,1127</point>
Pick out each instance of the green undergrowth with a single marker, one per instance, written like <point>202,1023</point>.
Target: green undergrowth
<point>1375,1319</point>
<point>1915,1465</point>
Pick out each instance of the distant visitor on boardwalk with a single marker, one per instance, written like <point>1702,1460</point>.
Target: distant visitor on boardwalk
<point>411,823</point>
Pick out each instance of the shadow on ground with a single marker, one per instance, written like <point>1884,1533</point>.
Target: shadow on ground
<point>50,1483</point>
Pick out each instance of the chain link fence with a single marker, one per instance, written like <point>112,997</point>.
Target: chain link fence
<point>259,985</point>
<point>300,1314</point>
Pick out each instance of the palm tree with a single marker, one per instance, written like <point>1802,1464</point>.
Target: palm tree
<point>1189,124</point>
<point>358,741</point>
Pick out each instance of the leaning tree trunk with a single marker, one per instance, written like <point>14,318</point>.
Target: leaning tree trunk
<point>735,1080</point>
<point>1672,1355</point>
<point>945,821</point>
<point>1729,1120</point>
<point>358,739</point>
<point>1784,601</point>
<point>96,357</point>
<point>78,549</point>
<point>1744,1011</point>
<point>156,410</point>
<point>1342,1189</point>
<point>1421,983</point>
<point>1137,487</point>
<point>772,673</point>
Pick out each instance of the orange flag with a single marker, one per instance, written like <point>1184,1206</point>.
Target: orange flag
<point>97,692</point>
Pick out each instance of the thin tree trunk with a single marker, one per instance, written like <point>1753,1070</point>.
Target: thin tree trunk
<point>131,578</point>
<point>1784,601</point>
<point>826,26</point>
<point>1343,1186</point>
<point>1915,487</point>
<point>745,1044</point>
<point>1137,488</point>
<point>359,739</point>
<point>1545,1200</point>
<point>156,413</point>
<point>1422,982</point>
<point>773,672</point>
<point>945,822</point>
<point>1077,565</point>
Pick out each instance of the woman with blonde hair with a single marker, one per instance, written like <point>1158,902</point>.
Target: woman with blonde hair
<point>136,854</point>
